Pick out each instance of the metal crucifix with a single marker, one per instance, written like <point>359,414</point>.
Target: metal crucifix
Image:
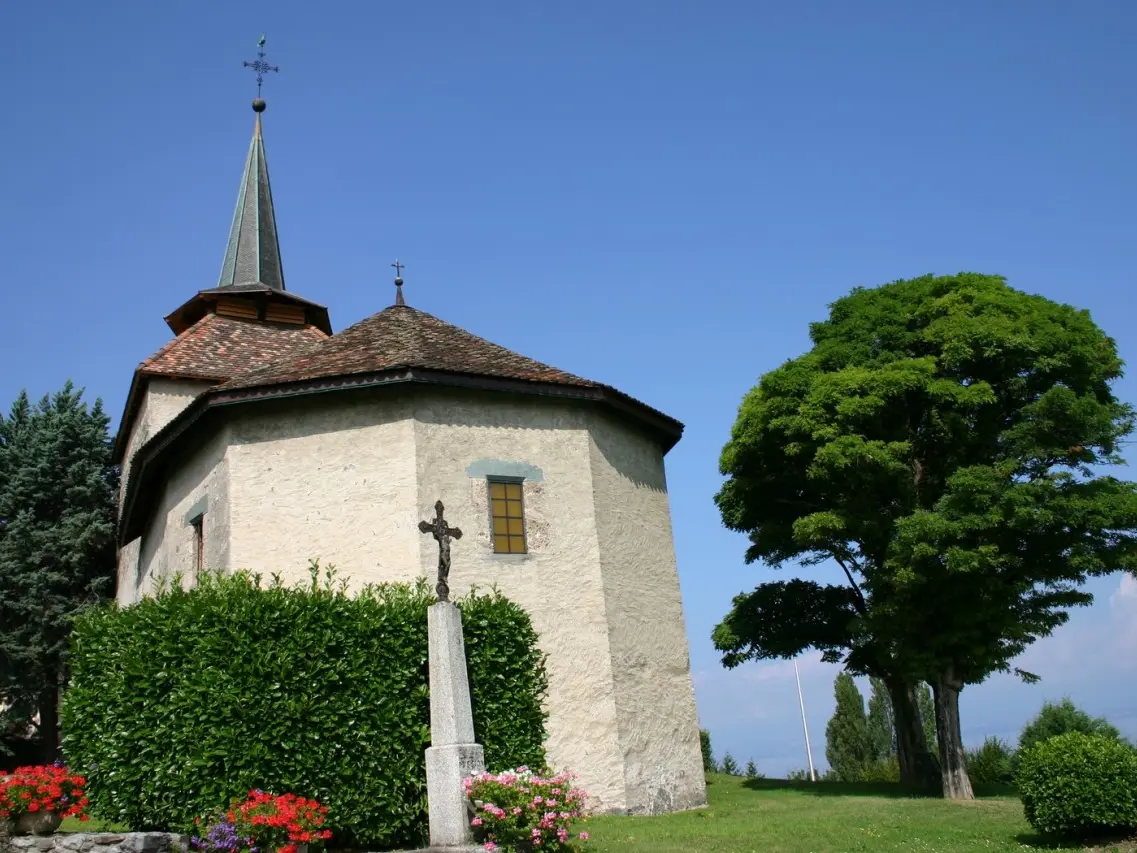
<point>442,534</point>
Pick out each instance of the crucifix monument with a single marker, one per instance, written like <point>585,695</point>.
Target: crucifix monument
<point>452,755</point>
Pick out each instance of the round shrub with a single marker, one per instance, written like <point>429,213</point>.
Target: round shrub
<point>1079,785</point>
<point>183,701</point>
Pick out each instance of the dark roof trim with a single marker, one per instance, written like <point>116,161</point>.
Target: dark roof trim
<point>150,457</point>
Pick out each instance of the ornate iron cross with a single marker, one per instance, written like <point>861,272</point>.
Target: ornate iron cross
<point>260,66</point>
<point>442,534</point>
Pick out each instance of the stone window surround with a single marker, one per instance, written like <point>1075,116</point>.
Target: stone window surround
<point>195,518</point>
<point>502,471</point>
<point>491,481</point>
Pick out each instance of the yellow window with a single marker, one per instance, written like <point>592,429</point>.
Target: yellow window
<point>508,518</point>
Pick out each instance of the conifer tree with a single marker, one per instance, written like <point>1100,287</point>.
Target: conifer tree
<point>927,714</point>
<point>848,746</point>
<point>709,765</point>
<point>882,732</point>
<point>728,765</point>
<point>752,770</point>
<point>57,549</point>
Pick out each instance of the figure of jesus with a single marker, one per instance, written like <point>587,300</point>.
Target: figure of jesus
<point>442,535</point>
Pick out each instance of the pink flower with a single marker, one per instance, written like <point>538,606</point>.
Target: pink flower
<point>489,845</point>
<point>476,822</point>
<point>583,836</point>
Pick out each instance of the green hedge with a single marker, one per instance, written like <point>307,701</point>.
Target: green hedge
<point>1078,785</point>
<point>184,700</point>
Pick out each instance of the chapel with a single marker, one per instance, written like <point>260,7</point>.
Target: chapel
<point>258,438</point>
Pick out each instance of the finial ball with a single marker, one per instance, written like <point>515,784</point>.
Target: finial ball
<point>259,105</point>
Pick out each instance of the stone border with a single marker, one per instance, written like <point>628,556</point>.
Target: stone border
<point>96,842</point>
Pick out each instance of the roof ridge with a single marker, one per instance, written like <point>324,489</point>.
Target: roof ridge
<point>403,336</point>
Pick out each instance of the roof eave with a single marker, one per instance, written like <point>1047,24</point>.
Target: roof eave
<point>148,458</point>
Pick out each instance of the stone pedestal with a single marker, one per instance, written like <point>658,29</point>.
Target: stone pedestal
<point>453,754</point>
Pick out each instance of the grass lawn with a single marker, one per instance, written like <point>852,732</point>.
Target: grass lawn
<point>771,816</point>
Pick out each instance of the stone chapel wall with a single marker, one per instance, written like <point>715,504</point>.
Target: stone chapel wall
<point>346,478</point>
<point>654,694</point>
<point>199,485</point>
<point>461,440</point>
<point>162,401</point>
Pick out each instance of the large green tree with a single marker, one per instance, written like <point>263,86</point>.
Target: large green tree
<point>941,443</point>
<point>57,553</point>
<point>1059,718</point>
<point>848,743</point>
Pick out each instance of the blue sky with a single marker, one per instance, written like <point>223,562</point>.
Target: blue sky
<point>657,195</point>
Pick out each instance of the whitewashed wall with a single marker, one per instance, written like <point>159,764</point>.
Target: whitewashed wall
<point>346,478</point>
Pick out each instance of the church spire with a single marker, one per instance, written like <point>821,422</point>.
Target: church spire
<point>253,253</point>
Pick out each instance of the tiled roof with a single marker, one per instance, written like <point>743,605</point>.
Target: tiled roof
<point>219,348</point>
<point>401,337</point>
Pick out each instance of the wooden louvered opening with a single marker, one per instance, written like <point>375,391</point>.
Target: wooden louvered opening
<point>285,313</point>
<point>237,308</point>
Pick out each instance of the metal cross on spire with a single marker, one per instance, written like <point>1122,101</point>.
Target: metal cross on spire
<point>259,65</point>
<point>399,282</point>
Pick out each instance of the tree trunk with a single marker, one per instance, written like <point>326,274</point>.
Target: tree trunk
<point>49,725</point>
<point>953,764</point>
<point>918,771</point>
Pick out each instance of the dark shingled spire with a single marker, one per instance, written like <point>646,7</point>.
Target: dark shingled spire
<point>253,253</point>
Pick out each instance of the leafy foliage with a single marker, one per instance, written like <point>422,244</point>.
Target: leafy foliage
<point>729,766</point>
<point>183,701</point>
<point>941,444</point>
<point>848,744</point>
<point>882,770</point>
<point>1079,785</point>
<point>709,765</point>
<point>992,763</point>
<point>57,487</point>
<point>1059,718</point>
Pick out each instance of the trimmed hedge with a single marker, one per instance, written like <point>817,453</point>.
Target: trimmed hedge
<point>182,701</point>
<point>1078,785</point>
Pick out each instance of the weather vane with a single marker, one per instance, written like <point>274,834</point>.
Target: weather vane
<point>260,66</point>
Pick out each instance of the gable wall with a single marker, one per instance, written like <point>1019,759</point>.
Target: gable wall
<point>162,400</point>
<point>166,548</point>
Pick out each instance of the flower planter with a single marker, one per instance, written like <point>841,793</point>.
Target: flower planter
<point>37,823</point>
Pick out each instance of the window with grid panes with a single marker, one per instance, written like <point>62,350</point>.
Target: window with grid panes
<point>507,513</point>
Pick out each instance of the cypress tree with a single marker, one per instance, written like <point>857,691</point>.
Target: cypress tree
<point>709,765</point>
<point>848,746</point>
<point>882,731</point>
<point>57,548</point>
<point>927,715</point>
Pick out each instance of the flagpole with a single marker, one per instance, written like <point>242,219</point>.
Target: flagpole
<point>804,724</point>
